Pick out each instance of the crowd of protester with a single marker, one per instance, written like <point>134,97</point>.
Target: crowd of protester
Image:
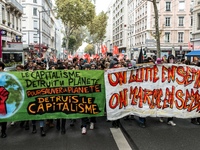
<point>76,63</point>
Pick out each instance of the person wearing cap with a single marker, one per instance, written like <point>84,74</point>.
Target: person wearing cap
<point>3,124</point>
<point>114,63</point>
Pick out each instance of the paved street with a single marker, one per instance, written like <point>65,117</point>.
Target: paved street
<point>156,136</point>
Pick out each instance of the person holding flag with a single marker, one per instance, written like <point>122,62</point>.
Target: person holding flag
<point>115,50</point>
<point>103,49</point>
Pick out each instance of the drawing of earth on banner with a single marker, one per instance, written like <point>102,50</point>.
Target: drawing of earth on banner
<point>11,95</point>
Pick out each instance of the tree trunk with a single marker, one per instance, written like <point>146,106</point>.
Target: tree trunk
<point>67,32</point>
<point>157,36</point>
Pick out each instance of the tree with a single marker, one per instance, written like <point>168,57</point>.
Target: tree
<point>74,14</point>
<point>89,49</point>
<point>76,39</point>
<point>97,28</point>
<point>157,35</point>
<point>72,42</point>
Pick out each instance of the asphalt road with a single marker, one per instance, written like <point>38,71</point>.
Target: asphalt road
<point>156,136</point>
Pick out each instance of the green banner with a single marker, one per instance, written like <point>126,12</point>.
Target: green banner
<point>51,94</point>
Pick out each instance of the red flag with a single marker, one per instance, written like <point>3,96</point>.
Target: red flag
<point>190,46</point>
<point>121,56</point>
<point>77,56</point>
<point>87,56</point>
<point>103,49</point>
<point>115,50</point>
<point>97,56</point>
<point>54,59</point>
<point>70,57</point>
<point>104,55</point>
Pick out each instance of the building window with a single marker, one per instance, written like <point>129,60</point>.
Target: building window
<point>191,23</point>
<point>158,6</point>
<point>35,24</point>
<point>34,11</point>
<point>181,21</point>
<point>8,16</point>
<point>34,1</point>
<point>167,37</point>
<point>198,20</point>
<point>167,21</point>
<point>3,13</point>
<point>180,37</point>
<point>168,6</point>
<point>13,20</point>
<point>190,36</point>
<point>181,5</point>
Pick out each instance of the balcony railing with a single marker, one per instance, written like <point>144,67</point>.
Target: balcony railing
<point>14,3</point>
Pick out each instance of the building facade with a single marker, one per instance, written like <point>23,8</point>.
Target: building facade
<point>11,12</point>
<point>36,24</point>
<point>41,30</point>
<point>109,29</point>
<point>120,20</point>
<point>11,36</point>
<point>175,25</point>
<point>195,41</point>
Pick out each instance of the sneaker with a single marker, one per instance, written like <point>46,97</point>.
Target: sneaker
<point>142,125</point>
<point>161,120</point>
<point>58,127</point>
<point>51,125</point>
<point>21,124</point>
<point>171,123</point>
<point>91,126</point>
<point>3,135</point>
<point>63,131</point>
<point>84,130</point>
<point>12,123</point>
<point>195,122</point>
<point>27,127</point>
<point>42,132</point>
<point>34,129</point>
<point>115,124</point>
<point>72,122</point>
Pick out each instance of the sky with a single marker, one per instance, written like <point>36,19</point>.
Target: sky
<point>102,5</point>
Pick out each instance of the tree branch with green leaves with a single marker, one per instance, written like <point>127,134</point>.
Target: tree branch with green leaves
<point>74,14</point>
<point>97,28</point>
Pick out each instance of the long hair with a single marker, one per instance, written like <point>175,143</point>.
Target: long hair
<point>170,57</point>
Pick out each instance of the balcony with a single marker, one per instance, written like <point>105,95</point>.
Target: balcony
<point>15,4</point>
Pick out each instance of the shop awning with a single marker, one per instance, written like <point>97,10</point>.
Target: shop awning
<point>193,53</point>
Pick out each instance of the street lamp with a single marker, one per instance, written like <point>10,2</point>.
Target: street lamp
<point>55,43</point>
<point>40,26</point>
